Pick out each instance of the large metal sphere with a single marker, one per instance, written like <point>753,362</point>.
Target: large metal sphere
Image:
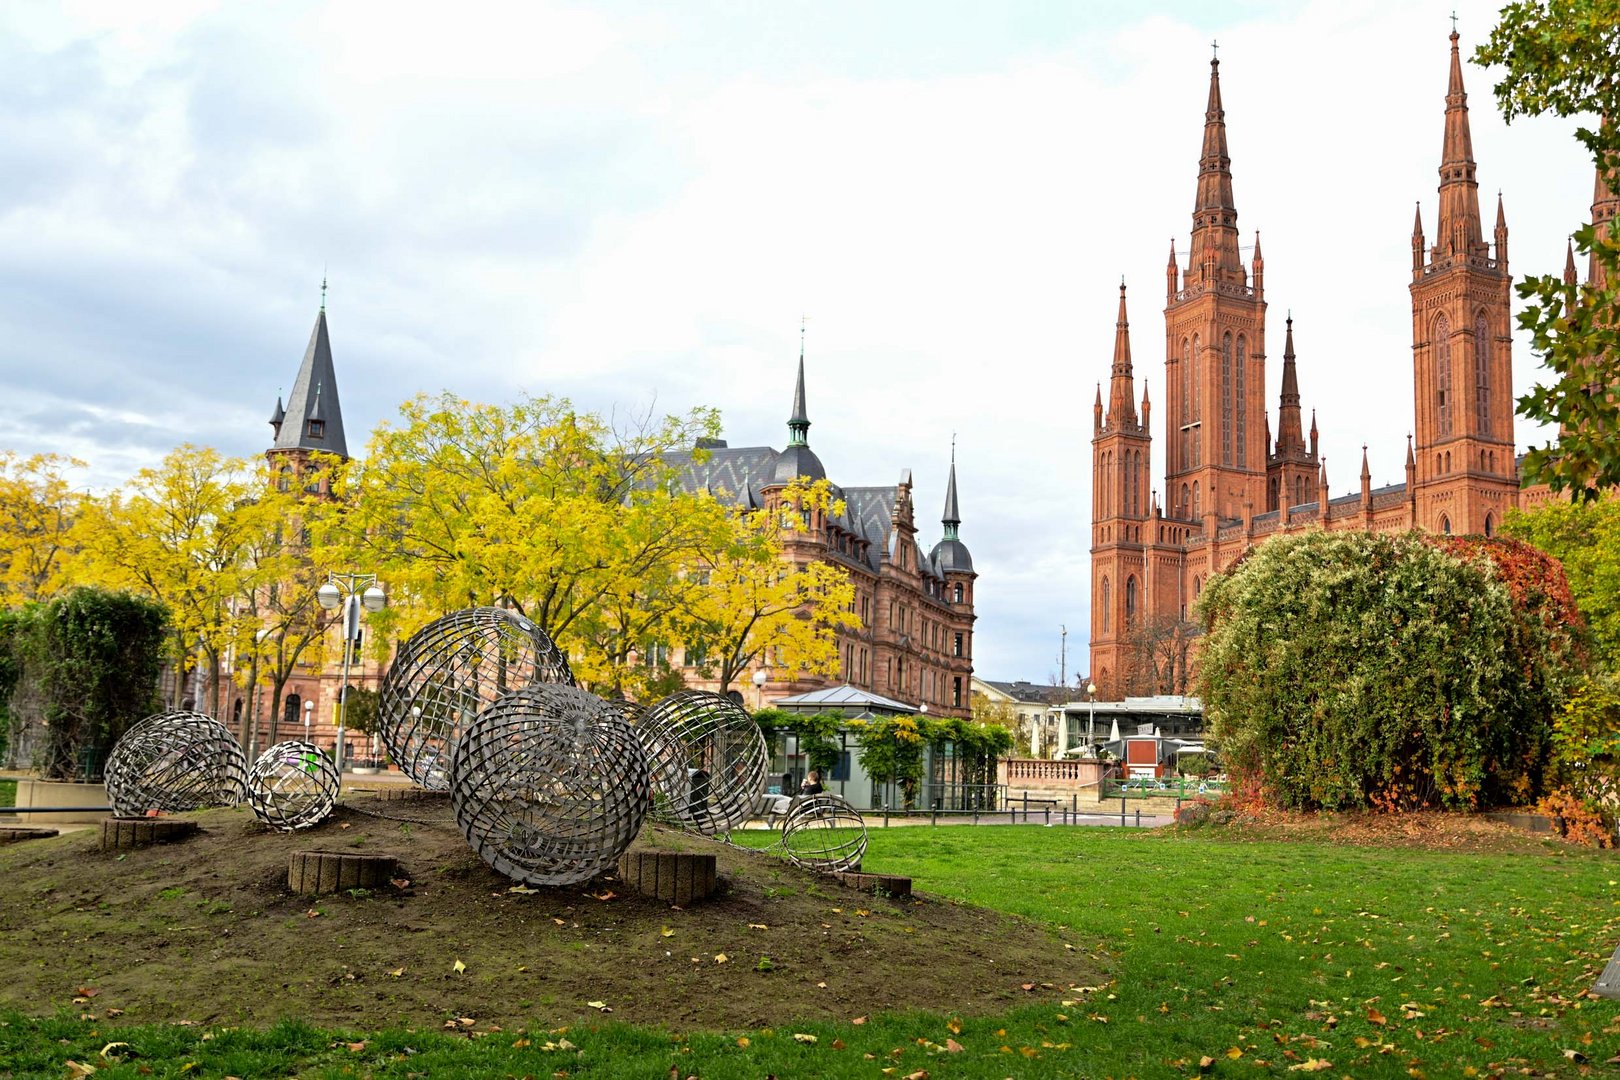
<point>824,832</point>
<point>447,672</point>
<point>174,762</point>
<point>293,785</point>
<point>707,758</point>
<point>549,785</point>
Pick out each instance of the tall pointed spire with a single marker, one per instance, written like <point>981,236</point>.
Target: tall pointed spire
<point>1215,238</point>
<point>1570,276</point>
<point>953,516</point>
<point>1121,386</point>
<point>1290,439</point>
<point>799,422</point>
<point>313,419</point>
<point>1459,231</point>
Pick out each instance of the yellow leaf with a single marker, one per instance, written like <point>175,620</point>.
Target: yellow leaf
<point>721,958</point>
<point>1234,1053</point>
<point>801,1037</point>
<point>742,1040</point>
<point>458,967</point>
<point>397,972</point>
<point>667,932</point>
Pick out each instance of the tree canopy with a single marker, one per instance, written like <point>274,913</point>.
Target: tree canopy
<point>1348,669</point>
<point>1585,538</point>
<point>1563,57</point>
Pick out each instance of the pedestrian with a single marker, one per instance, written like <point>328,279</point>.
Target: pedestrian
<point>812,784</point>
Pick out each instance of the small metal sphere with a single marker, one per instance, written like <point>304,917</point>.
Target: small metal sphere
<point>449,670</point>
<point>549,785</point>
<point>824,832</point>
<point>707,758</point>
<point>293,785</point>
<point>173,762</point>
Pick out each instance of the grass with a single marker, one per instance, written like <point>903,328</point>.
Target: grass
<point>1265,958</point>
<point>8,793</point>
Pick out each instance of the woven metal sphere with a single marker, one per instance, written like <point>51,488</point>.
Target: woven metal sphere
<point>293,785</point>
<point>824,832</point>
<point>707,758</point>
<point>447,672</point>
<point>174,762</point>
<point>549,785</point>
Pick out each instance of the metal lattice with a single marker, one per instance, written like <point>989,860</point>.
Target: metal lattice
<point>174,762</point>
<point>549,785</point>
<point>293,785</point>
<point>824,832</point>
<point>447,672</point>
<point>707,758</point>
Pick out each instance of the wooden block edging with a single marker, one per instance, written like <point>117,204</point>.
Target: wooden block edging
<point>12,834</point>
<point>119,834</point>
<point>311,872</point>
<point>888,884</point>
<point>676,877</point>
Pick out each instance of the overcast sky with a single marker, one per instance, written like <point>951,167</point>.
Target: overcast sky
<point>632,205</point>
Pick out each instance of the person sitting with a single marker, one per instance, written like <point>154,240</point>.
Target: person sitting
<point>812,784</point>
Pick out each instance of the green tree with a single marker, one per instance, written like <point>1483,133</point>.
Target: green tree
<point>88,663</point>
<point>1585,538</point>
<point>816,733</point>
<point>1563,57</point>
<point>1347,669</point>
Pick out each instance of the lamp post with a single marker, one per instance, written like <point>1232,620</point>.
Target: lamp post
<point>1091,716</point>
<point>759,688</point>
<point>346,590</point>
<point>253,717</point>
<point>309,709</point>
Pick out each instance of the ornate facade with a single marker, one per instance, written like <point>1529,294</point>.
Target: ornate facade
<point>1228,483</point>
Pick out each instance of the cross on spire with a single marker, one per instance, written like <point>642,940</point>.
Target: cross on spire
<point>1215,47</point>
<point>1454,21</point>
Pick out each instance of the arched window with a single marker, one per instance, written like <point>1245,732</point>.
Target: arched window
<point>1490,526</point>
<point>1133,497</point>
<point>1107,602</point>
<point>1198,586</point>
<point>1226,399</point>
<point>290,707</point>
<point>956,593</point>
<point>1299,490</point>
<point>1445,524</point>
<point>1186,501</point>
<point>1448,461</point>
<point>1241,393</point>
<point>1186,381</point>
<point>1442,375</point>
<point>1130,601</point>
<point>1482,375</point>
<point>1197,503</point>
<point>1197,392</point>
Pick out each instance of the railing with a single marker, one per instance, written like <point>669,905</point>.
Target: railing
<point>1079,771</point>
<point>1168,787</point>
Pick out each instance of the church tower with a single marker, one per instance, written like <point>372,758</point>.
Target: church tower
<point>1292,467</point>
<point>1215,422</point>
<point>1462,329</point>
<point>312,419</point>
<point>1121,464</point>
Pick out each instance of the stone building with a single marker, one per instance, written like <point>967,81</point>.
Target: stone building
<point>915,641</point>
<point>1229,481</point>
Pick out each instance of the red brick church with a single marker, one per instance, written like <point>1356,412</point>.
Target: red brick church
<point>1229,480</point>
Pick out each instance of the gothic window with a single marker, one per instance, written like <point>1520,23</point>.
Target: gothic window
<point>1197,503</point>
<point>1490,526</point>
<point>1107,602</point>
<point>1241,393</point>
<point>1299,490</point>
<point>1186,382</point>
<point>1445,524</point>
<point>1442,375</point>
<point>1482,375</point>
<point>1197,390</point>
<point>1226,400</point>
<point>1186,501</point>
<point>1130,601</point>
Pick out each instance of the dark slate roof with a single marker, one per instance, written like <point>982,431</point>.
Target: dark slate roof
<point>797,461</point>
<point>737,472</point>
<point>949,555</point>
<point>1028,691</point>
<point>314,397</point>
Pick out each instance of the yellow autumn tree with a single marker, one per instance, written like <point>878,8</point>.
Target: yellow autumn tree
<point>38,507</point>
<point>580,525</point>
<point>202,534</point>
<point>757,605</point>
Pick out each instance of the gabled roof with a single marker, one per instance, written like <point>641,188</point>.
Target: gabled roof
<point>843,697</point>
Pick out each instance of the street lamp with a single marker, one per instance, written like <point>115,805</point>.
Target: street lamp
<point>1091,716</point>
<point>346,589</point>
<point>253,731</point>
<point>309,709</point>
<point>759,687</point>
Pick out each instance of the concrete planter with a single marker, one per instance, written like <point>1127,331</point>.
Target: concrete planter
<point>61,793</point>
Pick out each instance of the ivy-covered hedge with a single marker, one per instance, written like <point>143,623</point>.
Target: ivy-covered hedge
<point>1348,669</point>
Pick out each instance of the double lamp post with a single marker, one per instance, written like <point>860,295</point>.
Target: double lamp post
<point>352,592</point>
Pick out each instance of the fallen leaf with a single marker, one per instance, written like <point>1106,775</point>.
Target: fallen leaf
<point>115,1012</point>
<point>345,825</point>
<point>801,1037</point>
<point>1376,1017</point>
<point>1234,1053</point>
<point>667,932</point>
<point>952,1046</point>
<point>721,958</point>
<point>1576,1056</point>
<point>356,1047</point>
<point>838,1044</point>
<point>742,1040</point>
<point>400,882</point>
<point>397,972</point>
<point>75,1069</point>
<point>312,914</point>
<point>1206,1062</point>
<point>758,926</point>
<point>920,1074</point>
<point>859,1020</point>
<point>88,991</point>
<point>600,1005</point>
<point>1311,1065</point>
<point>458,967</point>
<point>522,890</point>
<point>610,894</point>
<point>112,1048</point>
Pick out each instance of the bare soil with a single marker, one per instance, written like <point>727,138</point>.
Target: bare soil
<point>207,931</point>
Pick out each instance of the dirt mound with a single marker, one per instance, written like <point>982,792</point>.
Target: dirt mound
<point>207,931</point>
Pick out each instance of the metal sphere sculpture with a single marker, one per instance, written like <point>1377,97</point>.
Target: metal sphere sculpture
<point>174,762</point>
<point>549,785</point>
<point>824,832</point>
<point>708,761</point>
<point>448,671</point>
<point>293,785</point>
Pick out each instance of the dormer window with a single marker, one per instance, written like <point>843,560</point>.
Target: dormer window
<point>317,429</point>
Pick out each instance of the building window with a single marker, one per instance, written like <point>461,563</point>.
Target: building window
<point>1241,393</point>
<point>956,692</point>
<point>1197,395</point>
<point>1490,526</point>
<point>317,429</point>
<point>1107,603</point>
<point>956,644</point>
<point>1130,601</point>
<point>1445,524</point>
<point>1482,375</point>
<point>1442,375</point>
<point>1186,394</point>
<point>1197,503</point>
<point>957,593</point>
<point>1226,399</point>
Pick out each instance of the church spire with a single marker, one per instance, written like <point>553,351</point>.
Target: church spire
<point>1459,231</point>
<point>1215,237</point>
<point>953,516</point>
<point>1570,276</point>
<point>1121,385</point>
<point>799,422</point>
<point>312,419</point>
<point>1290,439</point>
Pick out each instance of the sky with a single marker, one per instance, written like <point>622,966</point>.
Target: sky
<point>636,206</point>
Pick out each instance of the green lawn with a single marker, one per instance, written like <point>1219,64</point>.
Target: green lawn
<point>1267,958</point>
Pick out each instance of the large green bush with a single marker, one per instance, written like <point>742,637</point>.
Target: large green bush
<point>1350,669</point>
